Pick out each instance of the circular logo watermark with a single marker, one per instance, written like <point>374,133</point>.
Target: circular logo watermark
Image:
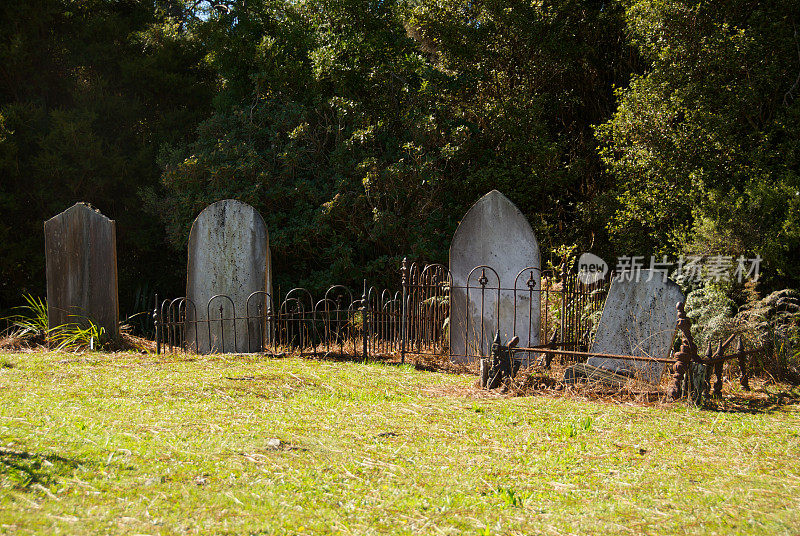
<point>591,268</point>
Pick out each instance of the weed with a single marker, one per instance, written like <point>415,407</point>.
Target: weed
<point>586,423</point>
<point>510,497</point>
<point>32,320</point>
<point>31,324</point>
<point>76,337</point>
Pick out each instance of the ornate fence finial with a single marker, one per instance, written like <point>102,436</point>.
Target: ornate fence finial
<point>685,355</point>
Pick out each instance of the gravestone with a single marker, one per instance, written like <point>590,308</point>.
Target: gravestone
<point>228,255</point>
<point>496,234</point>
<point>638,319</point>
<point>81,265</point>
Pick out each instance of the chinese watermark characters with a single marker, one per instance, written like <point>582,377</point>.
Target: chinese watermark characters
<point>691,268</point>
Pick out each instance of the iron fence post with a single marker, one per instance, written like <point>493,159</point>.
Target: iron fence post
<point>563,329</point>
<point>403,311</point>
<point>364,312</point>
<point>157,326</point>
<point>743,378</point>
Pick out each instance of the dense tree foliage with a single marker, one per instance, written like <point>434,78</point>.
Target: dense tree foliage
<point>705,143</point>
<point>363,130</point>
<point>89,93</point>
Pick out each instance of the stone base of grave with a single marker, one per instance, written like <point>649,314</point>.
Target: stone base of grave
<point>588,373</point>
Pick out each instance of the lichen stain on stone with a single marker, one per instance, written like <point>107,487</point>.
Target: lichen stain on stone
<point>494,232</point>
<point>638,319</point>
<point>228,255</point>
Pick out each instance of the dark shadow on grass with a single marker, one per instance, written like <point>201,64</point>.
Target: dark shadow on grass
<point>422,362</point>
<point>771,403</point>
<point>26,469</point>
<point>344,357</point>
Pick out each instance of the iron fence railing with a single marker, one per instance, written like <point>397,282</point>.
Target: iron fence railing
<point>553,310</point>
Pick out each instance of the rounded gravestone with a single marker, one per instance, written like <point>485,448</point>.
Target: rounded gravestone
<point>493,233</point>
<point>229,260</point>
<point>81,264</point>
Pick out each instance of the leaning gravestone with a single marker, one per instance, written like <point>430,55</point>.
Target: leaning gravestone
<point>228,255</point>
<point>81,264</point>
<point>638,319</point>
<point>496,234</point>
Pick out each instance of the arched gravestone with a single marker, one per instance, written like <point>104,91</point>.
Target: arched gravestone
<point>638,319</point>
<point>496,234</point>
<point>81,264</point>
<point>228,255</point>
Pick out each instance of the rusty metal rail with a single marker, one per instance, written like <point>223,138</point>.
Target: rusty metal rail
<point>687,355</point>
<point>545,349</point>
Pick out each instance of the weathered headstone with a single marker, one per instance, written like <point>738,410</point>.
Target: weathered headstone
<point>638,319</point>
<point>228,255</point>
<point>81,264</point>
<point>496,234</point>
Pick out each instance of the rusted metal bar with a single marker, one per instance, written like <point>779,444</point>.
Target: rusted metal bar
<point>737,355</point>
<point>710,371</point>
<point>563,319</point>
<point>548,357</point>
<point>364,310</point>
<point>546,349</point>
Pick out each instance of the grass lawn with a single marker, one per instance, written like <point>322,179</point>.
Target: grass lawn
<point>144,444</point>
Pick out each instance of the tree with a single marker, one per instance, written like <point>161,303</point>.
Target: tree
<point>364,130</point>
<point>704,143</point>
<point>89,91</point>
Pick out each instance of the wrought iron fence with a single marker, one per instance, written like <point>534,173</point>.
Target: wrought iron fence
<point>424,317</point>
<point>543,308</point>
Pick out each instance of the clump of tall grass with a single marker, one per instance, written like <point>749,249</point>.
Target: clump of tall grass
<point>29,327</point>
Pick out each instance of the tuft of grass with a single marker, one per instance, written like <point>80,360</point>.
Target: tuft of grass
<point>76,337</point>
<point>31,324</point>
<point>175,444</point>
<point>510,497</point>
<point>570,430</point>
<point>31,320</point>
<point>586,423</point>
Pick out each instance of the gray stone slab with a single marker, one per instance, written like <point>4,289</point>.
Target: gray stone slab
<point>494,233</point>
<point>81,265</point>
<point>638,319</point>
<point>228,255</point>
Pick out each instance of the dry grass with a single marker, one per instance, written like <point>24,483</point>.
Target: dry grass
<point>12,341</point>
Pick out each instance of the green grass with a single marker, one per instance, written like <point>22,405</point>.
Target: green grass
<point>132,444</point>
